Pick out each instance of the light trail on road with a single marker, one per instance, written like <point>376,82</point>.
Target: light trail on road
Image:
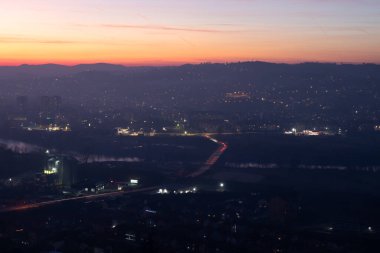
<point>205,167</point>
<point>88,197</point>
<point>212,159</point>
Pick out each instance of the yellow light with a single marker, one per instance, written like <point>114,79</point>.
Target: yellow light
<point>50,172</point>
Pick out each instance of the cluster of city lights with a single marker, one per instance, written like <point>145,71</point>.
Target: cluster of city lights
<point>50,128</point>
<point>182,191</point>
<point>194,189</point>
<point>308,132</point>
<point>187,191</point>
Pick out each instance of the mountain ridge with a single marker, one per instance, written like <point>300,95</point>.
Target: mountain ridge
<point>52,69</point>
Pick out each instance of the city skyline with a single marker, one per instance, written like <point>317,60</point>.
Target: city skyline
<point>172,33</point>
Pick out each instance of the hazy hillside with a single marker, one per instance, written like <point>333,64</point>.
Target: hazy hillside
<point>309,88</point>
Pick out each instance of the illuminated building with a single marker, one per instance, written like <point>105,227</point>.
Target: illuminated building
<point>128,132</point>
<point>54,170</point>
<point>123,131</point>
<point>58,172</point>
<point>311,133</point>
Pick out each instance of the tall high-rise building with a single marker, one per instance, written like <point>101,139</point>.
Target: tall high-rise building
<point>59,171</point>
<point>45,104</point>
<point>22,105</point>
<point>54,170</point>
<point>50,109</point>
<point>56,104</point>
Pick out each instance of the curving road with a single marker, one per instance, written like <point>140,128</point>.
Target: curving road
<point>212,159</point>
<point>205,167</point>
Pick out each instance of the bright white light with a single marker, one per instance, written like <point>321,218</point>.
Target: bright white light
<point>163,191</point>
<point>214,140</point>
<point>221,185</point>
<point>134,181</point>
<point>194,189</point>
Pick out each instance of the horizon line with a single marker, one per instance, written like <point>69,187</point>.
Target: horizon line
<point>193,63</point>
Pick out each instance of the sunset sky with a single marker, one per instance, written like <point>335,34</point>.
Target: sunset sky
<point>165,32</point>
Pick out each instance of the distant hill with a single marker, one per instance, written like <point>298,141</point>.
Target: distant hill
<point>46,70</point>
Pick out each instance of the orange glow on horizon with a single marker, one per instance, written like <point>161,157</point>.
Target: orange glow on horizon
<point>169,55</point>
<point>157,32</point>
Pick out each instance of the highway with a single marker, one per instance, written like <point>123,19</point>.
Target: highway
<point>87,197</point>
<point>214,156</point>
<point>212,159</point>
